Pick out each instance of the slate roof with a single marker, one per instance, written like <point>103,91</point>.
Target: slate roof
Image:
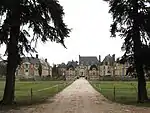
<point>62,65</point>
<point>109,59</point>
<point>72,64</point>
<point>32,60</point>
<point>90,60</point>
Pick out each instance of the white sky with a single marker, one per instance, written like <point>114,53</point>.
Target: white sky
<point>90,36</point>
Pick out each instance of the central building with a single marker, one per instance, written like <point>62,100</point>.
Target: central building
<point>89,67</point>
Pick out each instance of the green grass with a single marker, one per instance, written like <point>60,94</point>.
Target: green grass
<point>125,92</point>
<point>41,91</point>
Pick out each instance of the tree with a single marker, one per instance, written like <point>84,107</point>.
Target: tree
<point>40,69</point>
<point>44,17</point>
<point>131,20</point>
<point>55,71</point>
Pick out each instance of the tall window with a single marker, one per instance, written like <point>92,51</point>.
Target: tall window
<point>93,73</point>
<point>26,65</point>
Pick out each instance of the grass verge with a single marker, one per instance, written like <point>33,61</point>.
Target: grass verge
<point>120,92</point>
<point>37,92</point>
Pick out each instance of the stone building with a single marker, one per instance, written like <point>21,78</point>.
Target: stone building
<point>107,66</point>
<point>89,67</point>
<point>121,69</point>
<point>71,70</point>
<point>92,68</point>
<point>33,67</point>
<point>62,69</point>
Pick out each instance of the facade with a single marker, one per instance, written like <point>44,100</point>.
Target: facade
<point>89,67</point>
<point>33,67</point>
<point>107,66</point>
<point>71,70</point>
<point>62,69</point>
<point>121,69</point>
<point>92,68</point>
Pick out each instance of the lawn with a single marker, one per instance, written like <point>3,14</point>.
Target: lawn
<point>120,92</point>
<point>35,92</point>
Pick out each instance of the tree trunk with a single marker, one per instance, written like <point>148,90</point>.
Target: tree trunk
<point>142,92</point>
<point>13,57</point>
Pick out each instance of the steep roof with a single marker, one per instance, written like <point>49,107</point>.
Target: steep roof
<point>109,59</point>
<point>88,60</point>
<point>32,60</point>
<point>62,65</point>
<point>72,64</point>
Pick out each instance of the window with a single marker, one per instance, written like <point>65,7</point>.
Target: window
<point>26,71</point>
<point>104,67</point>
<point>26,66</point>
<point>93,73</point>
<point>31,66</point>
<point>36,65</point>
<point>82,67</point>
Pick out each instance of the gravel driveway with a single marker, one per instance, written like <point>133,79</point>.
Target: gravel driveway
<point>80,97</point>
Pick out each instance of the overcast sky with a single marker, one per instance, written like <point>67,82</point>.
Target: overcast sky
<point>90,36</point>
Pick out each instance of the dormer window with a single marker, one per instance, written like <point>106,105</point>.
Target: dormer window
<point>26,65</point>
<point>104,67</point>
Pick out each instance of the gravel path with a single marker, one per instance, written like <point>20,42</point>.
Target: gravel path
<point>80,97</point>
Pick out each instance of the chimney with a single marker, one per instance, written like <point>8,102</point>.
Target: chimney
<point>37,56</point>
<point>46,60</point>
<point>113,57</point>
<point>79,60</point>
<point>99,58</point>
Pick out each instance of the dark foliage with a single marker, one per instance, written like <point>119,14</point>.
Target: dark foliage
<point>43,17</point>
<point>40,69</point>
<point>131,19</point>
<point>55,71</point>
